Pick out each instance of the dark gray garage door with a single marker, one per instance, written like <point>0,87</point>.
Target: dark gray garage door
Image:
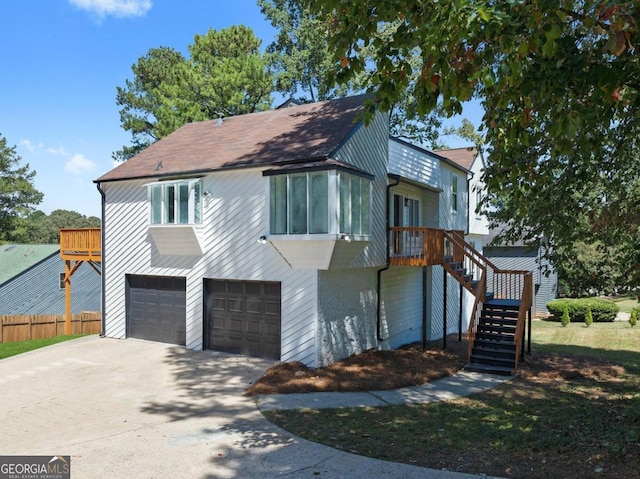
<point>156,308</point>
<point>242,317</point>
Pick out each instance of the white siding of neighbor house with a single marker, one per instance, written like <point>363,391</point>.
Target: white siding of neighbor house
<point>367,149</point>
<point>402,305</point>
<point>233,219</point>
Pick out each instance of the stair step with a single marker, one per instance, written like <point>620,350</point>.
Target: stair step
<point>493,344</point>
<point>495,340</point>
<point>493,352</point>
<point>492,328</point>
<point>498,321</point>
<point>506,313</point>
<point>486,368</point>
<point>493,361</point>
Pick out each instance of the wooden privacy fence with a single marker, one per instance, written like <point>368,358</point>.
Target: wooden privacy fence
<point>40,326</point>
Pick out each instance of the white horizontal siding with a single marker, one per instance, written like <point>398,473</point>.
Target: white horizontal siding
<point>402,304</point>
<point>346,313</point>
<point>453,304</point>
<point>233,219</point>
<point>368,150</point>
<point>414,164</point>
<point>450,219</point>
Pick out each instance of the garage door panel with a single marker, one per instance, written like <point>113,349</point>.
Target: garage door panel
<point>249,322</point>
<point>156,308</point>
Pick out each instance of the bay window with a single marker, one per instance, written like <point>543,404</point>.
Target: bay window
<point>320,202</point>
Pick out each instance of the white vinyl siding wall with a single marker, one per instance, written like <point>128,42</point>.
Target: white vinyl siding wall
<point>402,304</point>
<point>234,217</point>
<point>367,149</point>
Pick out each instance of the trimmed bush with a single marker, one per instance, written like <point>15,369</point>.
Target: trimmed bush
<point>634,316</point>
<point>565,317</point>
<point>602,310</point>
<point>588,319</point>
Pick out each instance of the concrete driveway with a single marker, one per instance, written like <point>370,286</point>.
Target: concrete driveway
<point>136,409</point>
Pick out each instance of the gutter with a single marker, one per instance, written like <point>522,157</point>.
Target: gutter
<point>385,268</point>
<point>102,268</point>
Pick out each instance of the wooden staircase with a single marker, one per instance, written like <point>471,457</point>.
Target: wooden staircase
<point>494,348</point>
<point>503,298</point>
<point>497,324</point>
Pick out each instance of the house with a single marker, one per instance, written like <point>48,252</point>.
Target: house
<point>32,282</point>
<point>526,257</point>
<point>298,234</point>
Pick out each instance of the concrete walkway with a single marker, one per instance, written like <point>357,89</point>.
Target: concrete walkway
<point>137,409</point>
<point>460,385</point>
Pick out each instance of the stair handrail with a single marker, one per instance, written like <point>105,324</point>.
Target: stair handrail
<point>522,284</point>
<point>526,302</point>
<point>477,311</point>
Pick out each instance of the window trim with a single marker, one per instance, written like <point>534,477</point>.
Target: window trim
<point>454,193</point>
<point>194,203</point>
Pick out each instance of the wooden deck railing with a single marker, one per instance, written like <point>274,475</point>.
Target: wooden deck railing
<point>416,246</point>
<point>81,244</point>
<point>419,246</point>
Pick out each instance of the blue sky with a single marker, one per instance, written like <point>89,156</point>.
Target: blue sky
<point>61,63</point>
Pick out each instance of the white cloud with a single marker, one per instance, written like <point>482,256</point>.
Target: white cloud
<point>60,151</point>
<point>29,145</point>
<point>117,8</point>
<point>78,164</point>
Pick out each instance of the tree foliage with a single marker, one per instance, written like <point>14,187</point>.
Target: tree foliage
<point>559,81</point>
<point>302,61</point>
<point>18,195</point>
<point>225,75</point>
<point>40,228</point>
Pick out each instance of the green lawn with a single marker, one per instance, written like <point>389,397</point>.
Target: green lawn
<point>11,349</point>
<point>576,418</point>
<point>626,304</point>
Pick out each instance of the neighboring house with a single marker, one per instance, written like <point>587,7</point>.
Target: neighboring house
<point>517,256</point>
<point>507,257</point>
<point>268,234</point>
<point>31,282</point>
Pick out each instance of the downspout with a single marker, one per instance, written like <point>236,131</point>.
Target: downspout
<point>386,267</point>
<point>102,269</point>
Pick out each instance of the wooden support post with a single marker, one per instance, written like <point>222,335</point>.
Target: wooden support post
<point>67,297</point>
<point>529,339</point>
<point>444,310</point>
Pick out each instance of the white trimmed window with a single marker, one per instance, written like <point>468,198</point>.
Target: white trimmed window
<point>320,202</point>
<point>454,193</point>
<point>176,202</point>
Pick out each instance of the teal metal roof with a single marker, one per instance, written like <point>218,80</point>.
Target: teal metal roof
<point>16,258</point>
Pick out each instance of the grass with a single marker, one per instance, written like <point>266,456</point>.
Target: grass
<point>574,412</point>
<point>626,304</point>
<point>19,347</point>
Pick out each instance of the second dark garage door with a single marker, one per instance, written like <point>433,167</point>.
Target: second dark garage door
<point>156,308</point>
<point>243,317</point>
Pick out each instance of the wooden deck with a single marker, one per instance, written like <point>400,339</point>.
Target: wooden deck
<point>80,244</point>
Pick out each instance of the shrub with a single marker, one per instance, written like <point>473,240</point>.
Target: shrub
<point>602,310</point>
<point>634,316</point>
<point>588,319</point>
<point>565,317</point>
